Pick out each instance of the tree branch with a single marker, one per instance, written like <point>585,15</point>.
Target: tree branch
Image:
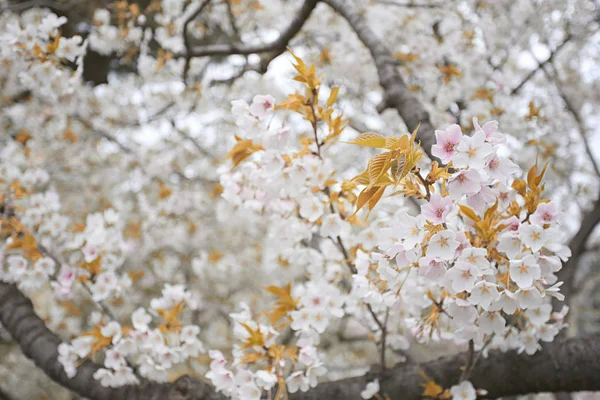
<point>396,94</point>
<point>186,38</point>
<point>541,65</point>
<point>577,245</point>
<point>39,344</point>
<point>278,46</point>
<point>568,365</point>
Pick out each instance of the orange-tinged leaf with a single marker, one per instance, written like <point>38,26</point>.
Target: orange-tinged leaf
<point>468,212</point>
<point>171,318</point>
<point>489,213</point>
<point>285,303</point>
<point>397,143</point>
<point>94,267</point>
<point>431,389</point>
<point>378,166</point>
<point>370,139</point>
<point>242,150</point>
<point>333,96</point>
<point>376,197</point>
<point>362,178</point>
<point>255,338</point>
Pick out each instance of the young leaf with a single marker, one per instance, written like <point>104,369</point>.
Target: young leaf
<point>370,139</point>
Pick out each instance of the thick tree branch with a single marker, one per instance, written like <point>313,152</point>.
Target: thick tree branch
<point>577,245</point>
<point>278,46</point>
<point>569,365</point>
<point>396,94</point>
<point>39,344</point>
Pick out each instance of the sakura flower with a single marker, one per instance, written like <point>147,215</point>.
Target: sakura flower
<point>545,213</point>
<point>114,359</point>
<point>501,168</point>
<point>432,268</point>
<point>332,225</point>
<point>491,322</point>
<point>462,312</point>
<point>262,105</point>
<point>51,22</point>
<point>462,277</point>
<point>249,392</point>
<point>549,265</point>
<point>409,228</point>
<point>308,355</point>
<point>189,333</point>
<point>490,129</point>
<point>140,319</point>
<point>532,236</point>
<point>504,194</point>
<point>69,48</point>
<point>297,381</point>
<point>529,343</point>
<point>464,182</point>
<point>112,330</point>
<point>265,380</point>
<point>223,379</point>
<point>506,302</point>
<point>446,142</point>
<point>510,244</point>
<point>371,389</point>
<point>524,272</point>
<point>463,391</point>
<point>472,151</point>
<point>82,346</point>
<point>483,294</point>
<point>311,208</point>
<point>475,256</point>
<point>442,245</point>
<point>539,316</point>
<point>46,264</point>
<point>529,298</point>
<point>482,200</point>
<point>437,209</point>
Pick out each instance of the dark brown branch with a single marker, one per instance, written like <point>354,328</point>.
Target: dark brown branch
<point>540,66</point>
<point>407,5</point>
<point>396,94</point>
<point>186,38</point>
<point>569,365</point>
<point>278,46</point>
<point>565,366</point>
<point>39,344</point>
<point>577,245</point>
<point>576,116</point>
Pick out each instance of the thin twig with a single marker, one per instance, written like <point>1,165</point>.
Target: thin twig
<point>576,116</point>
<point>407,5</point>
<point>279,45</point>
<point>470,361</point>
<point>186,38</point>
<point>540,66</point>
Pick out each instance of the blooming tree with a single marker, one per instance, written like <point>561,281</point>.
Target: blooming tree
<point>204,200</point>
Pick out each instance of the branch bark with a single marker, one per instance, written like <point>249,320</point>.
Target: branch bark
<point>396,94</point>
<point>39,344</point>
<point>278,46</point>
<point>577,245</point>
<point>564,366</point>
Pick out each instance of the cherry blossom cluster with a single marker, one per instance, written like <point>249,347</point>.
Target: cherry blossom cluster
<point>477,264</point>
<point>34,50</point>
<point>151,352</point>
<point>474,261</point>
<point>484,254</point>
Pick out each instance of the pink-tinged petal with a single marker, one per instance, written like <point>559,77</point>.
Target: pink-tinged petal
<point>454,133</point>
